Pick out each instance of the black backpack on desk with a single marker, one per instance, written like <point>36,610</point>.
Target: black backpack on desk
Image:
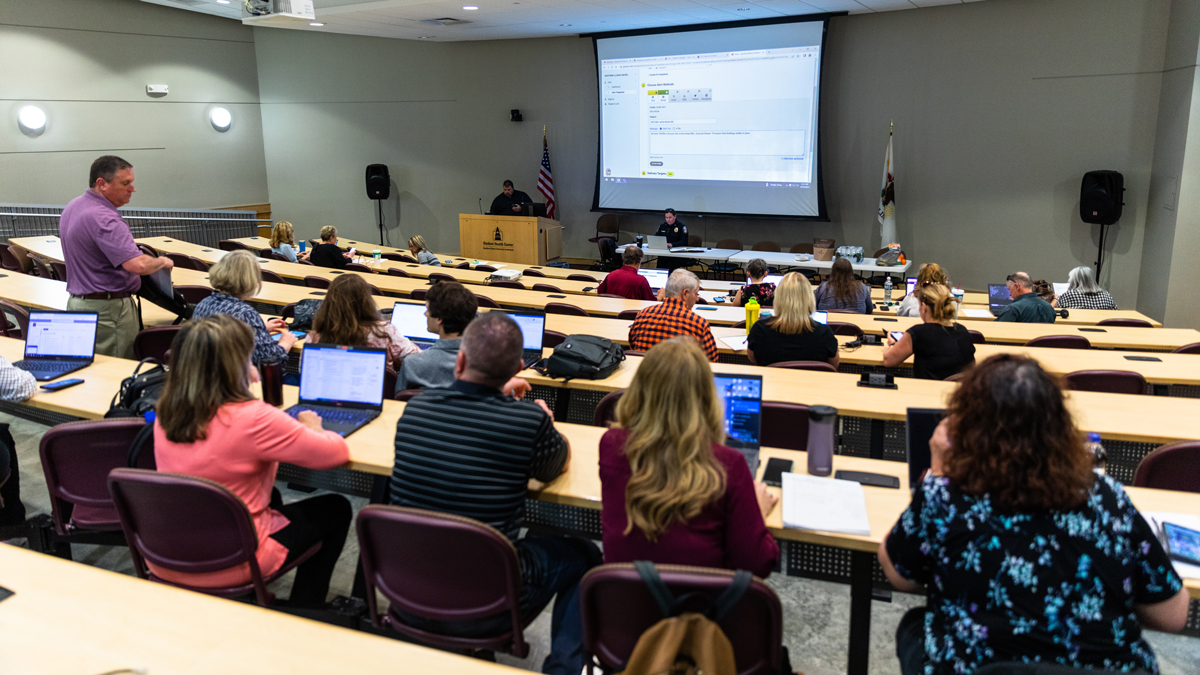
<point>584,356</point>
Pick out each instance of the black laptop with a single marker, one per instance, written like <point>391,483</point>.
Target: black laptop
<point>742,395</point>
<point>919,428</point>
<point>998,298</point>
<point>533,331</point>
<point>58,343</point>
<point>344,385</point>
<point>409,319</point>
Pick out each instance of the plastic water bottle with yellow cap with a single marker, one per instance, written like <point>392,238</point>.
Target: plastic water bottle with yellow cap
<point>752,310</point>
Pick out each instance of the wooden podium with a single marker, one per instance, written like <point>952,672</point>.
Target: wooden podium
<point>514,239</point>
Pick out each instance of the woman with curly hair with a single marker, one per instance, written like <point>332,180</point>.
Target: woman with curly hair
<point>1025,552</point>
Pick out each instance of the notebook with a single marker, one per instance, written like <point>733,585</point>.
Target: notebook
<point>919,428</point>
<point>998,298</point>
<point>410,320</point>
<point>533,330</point>
<point>827,504</point>
<point>58,343</point>
<point>344,385</point>
<point>742,397</point>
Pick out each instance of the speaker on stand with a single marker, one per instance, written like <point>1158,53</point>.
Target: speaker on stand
<point>1101,198</point>
<point>379,188</point>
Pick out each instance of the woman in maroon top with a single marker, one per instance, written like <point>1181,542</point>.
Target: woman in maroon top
<point>671,493</point>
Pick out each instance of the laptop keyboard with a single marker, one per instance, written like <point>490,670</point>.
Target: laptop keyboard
<point>46,366</point>
<point>336,415</point>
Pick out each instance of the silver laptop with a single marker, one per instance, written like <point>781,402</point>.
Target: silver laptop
<point>344,385</point>
<point>409,319</point>
<point>659,243</point>
<point>58,343</point>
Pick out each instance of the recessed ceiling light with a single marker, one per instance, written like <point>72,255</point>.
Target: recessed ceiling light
<point>220,118</point>
<point>470,7</point>
<point>31,118</point>
<point>316,24</point>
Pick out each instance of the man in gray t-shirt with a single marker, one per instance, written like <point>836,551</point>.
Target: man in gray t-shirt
<point>449,307</point>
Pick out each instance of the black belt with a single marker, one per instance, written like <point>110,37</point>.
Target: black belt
<point>104,295</point>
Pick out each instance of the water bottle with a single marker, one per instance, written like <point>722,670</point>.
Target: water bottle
<point>1099,456</point>
<point>272,382</point>
<point>821,420</point>
<point>887,290</point>
<point>752,311</point>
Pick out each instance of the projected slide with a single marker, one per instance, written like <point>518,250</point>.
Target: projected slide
<point>715,131</point>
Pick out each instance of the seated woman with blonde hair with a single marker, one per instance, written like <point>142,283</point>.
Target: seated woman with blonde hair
<point>348,316</point>
<point>939,346</point>
<point>237,277</point>
<point>791,334</point>
<point>417,246</point>
<point>283,242</point>
<point>671,493</point>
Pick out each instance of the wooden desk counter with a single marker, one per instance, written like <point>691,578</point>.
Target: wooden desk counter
<point>1075,317</point>
<point>119,621</point>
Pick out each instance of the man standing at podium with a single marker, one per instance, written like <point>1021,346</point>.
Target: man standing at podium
<point>677,235</point>
<point>510,202</point>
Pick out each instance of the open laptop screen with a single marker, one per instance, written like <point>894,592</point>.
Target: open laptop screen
<point>919,428</point>
<point>820,317</point>
<point>656,278</point>
<point>998,297</point>
<point>409,319</point>
<point>533,329</point>
<point>909,285</point>
<point>336,373</point>
<point>63,334</point>
<point>742,395</point>
<point>769,279</point>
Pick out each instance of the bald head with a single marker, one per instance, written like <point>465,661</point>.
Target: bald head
<point>491,350</point>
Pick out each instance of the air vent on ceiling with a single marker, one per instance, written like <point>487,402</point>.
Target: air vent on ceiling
<point>445,21</point>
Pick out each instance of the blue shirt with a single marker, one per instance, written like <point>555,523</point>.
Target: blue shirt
<point>286,251</point>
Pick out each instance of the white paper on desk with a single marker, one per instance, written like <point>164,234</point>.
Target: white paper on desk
<point>1192,522</point>
<point>736,343</point>
<point>497,265</point>
<point>827,504</point>
<point>975,313</point>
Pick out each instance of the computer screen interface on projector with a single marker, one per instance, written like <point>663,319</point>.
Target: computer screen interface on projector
<point>720,121</point>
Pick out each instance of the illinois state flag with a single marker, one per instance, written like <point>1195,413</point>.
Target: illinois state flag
<point>545,182</point>
<point>887,201</point>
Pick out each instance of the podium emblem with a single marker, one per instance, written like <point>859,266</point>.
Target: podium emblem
<point>499,236</point>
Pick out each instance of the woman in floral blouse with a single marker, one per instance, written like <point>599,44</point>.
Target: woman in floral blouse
<point>1026,553</point>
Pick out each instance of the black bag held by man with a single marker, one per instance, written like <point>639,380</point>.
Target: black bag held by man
<point>139,392</point>
<point>584,356</point>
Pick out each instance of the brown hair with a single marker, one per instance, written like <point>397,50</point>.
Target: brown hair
<point>632,255</point>
<point>940,302</point>
<point>451,302</point>
<point>673,415</point>
<point>236,273</point>
<point>842,282</point>
<point>348,313</point>
<point>1013,439</point>
<point>757,268</point>
<point>210,367</point>
<point>930,273</point>
<point>106,167</point>
<point>282,234</point>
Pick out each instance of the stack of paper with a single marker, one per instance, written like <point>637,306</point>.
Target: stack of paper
<point>975,313</point>
<point>737,343</point>
<point>827,504</point>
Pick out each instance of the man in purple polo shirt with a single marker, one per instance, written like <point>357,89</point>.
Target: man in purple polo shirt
<point>104,265</point>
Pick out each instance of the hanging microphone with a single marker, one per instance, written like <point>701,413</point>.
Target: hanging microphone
<point>481,206</point>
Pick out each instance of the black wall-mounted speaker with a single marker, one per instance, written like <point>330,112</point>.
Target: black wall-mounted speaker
<point>1101,197</point>
<point>379,184</point>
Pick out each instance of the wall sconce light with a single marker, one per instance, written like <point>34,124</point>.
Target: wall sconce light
<point>221,119</point>
<point>31,120</point>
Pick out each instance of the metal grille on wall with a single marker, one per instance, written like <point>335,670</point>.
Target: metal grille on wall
<point>202,227</point>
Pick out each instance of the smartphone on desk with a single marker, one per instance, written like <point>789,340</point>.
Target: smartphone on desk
<point>776,467</point>
<point>62,384</point>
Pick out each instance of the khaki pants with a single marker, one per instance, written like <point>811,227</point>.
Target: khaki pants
<point>118,324</point>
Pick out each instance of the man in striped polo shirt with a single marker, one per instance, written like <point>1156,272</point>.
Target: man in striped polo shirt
<point>471,451</point>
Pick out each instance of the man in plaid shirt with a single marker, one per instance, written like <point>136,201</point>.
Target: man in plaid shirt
<point>673,316</point>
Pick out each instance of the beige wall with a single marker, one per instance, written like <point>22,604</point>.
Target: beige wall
<point>86,63</point>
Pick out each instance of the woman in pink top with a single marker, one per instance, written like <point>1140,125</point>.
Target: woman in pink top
<point>210,426</point>
<point>670,492</point>
<point>348,316</point>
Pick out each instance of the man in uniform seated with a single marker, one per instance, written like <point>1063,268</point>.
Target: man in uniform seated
<point>677,235</point>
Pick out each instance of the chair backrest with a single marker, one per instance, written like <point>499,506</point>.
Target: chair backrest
<point>184,524</point>
<point>1128,323</point>
<point>180,260</point>
<point>463,266</point>
<point>76,458</point>
<point>484,268</point>
<point>272,255</point>
<point>288,312</point>
<point>268,275</point>
<point>418,293</point>
<point>374,289</point>
<point>503,284</point>
<point>1171,467</point>
<point>608,224</point>
<point>547,288</point>
<point>485,301</point>
<point>40,269</point>
<point>230,245</point>
<point>842,328</point>
<point>976,337</point>
<point>563,308</point>
<point>398,273</point>
<point>194,294</point>
<point>606,409</point>
<point>801,248</point>
<point>1108,381</point>
<point>1193,348</point>
<point>439,567</point>
<point>766,246</point>
<point>407,394</point>
<point>19,326</point>
<point>7,260</point>
<point>359,267</point>
<point>582,277</point>
<point>59,269</point>
<point>441,276</point>
<point>198,264</point>
<point>389,382</point>
<point>785,425</point>
<point>154,342</point>
<point>730,243</point>
<point>552,339</point>
<point>628,314</point>
<point>306,262</point>
<point>532,273</point>
<point>314,281</point>
<point>396,257</point>
<point>617,608</point>
<point>695,240</point>
<point>1060,342</point>
<point>820,366</point>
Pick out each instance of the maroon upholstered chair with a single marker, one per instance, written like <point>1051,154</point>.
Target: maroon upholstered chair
<point>628,314</point>
<point>272,255</point>
<point>389,382</point>
<point>1060,342</point>
<point>1128,323</point>
<point>485,301</point>
<point>76,458</point>
<point>440,276</point>
<point>154,342</point>
<point>59,269</point>
<point>563,308</point>
<point>182,261</point>
<point>821,366</point>
<point>1108,381</point>
<point>374,289</point>
<point>418,294</point>
<point>194,294</point>
<point>314,281</point>
<point>1193,348</point>
<point>407,394</point>
<point>305,262</point>
<point>192,525</point>
<point>441,568</point>
<point>230,245</point>
<point>18,326</point>
<point>977,337</point>
<point>198,264</point>
<point>396,257</point>
<point>484,268</point>
<point>288,312</point>
<point>606,409</point>
<point>268,275</point>
<point>40,269</point>
<point>740,324</point>
<point>359,267</point>
<point>766,246</point>
<point>7,260</point>
<point>532,273</point>
<point>463,266</point>
<point>602,295</point>
<point>396,272</point>
<point>547,288</point>
<point>617,608</point>
<point>582,277</point>
<point>843,328</point>
<point>785,425</point>
<point>505,284</point>
<point>552,339</point>
<point>1171,467</point>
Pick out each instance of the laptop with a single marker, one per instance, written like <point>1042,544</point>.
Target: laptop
<point>657,278</point>
<point>344,385</point>
<point>821,317</point>
<point>998,298</point>
<point>742,395</point>
<point>533,330</point>
<point>659,243</point>
<point>769,279</point>
<point>919,428</point>
<point>910,284</point>
<point>409,319</point>
<point>58,343</point>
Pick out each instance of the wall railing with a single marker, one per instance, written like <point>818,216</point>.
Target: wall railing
<point>192,225</point>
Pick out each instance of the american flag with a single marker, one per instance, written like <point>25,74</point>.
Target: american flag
<point>545,182</point>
